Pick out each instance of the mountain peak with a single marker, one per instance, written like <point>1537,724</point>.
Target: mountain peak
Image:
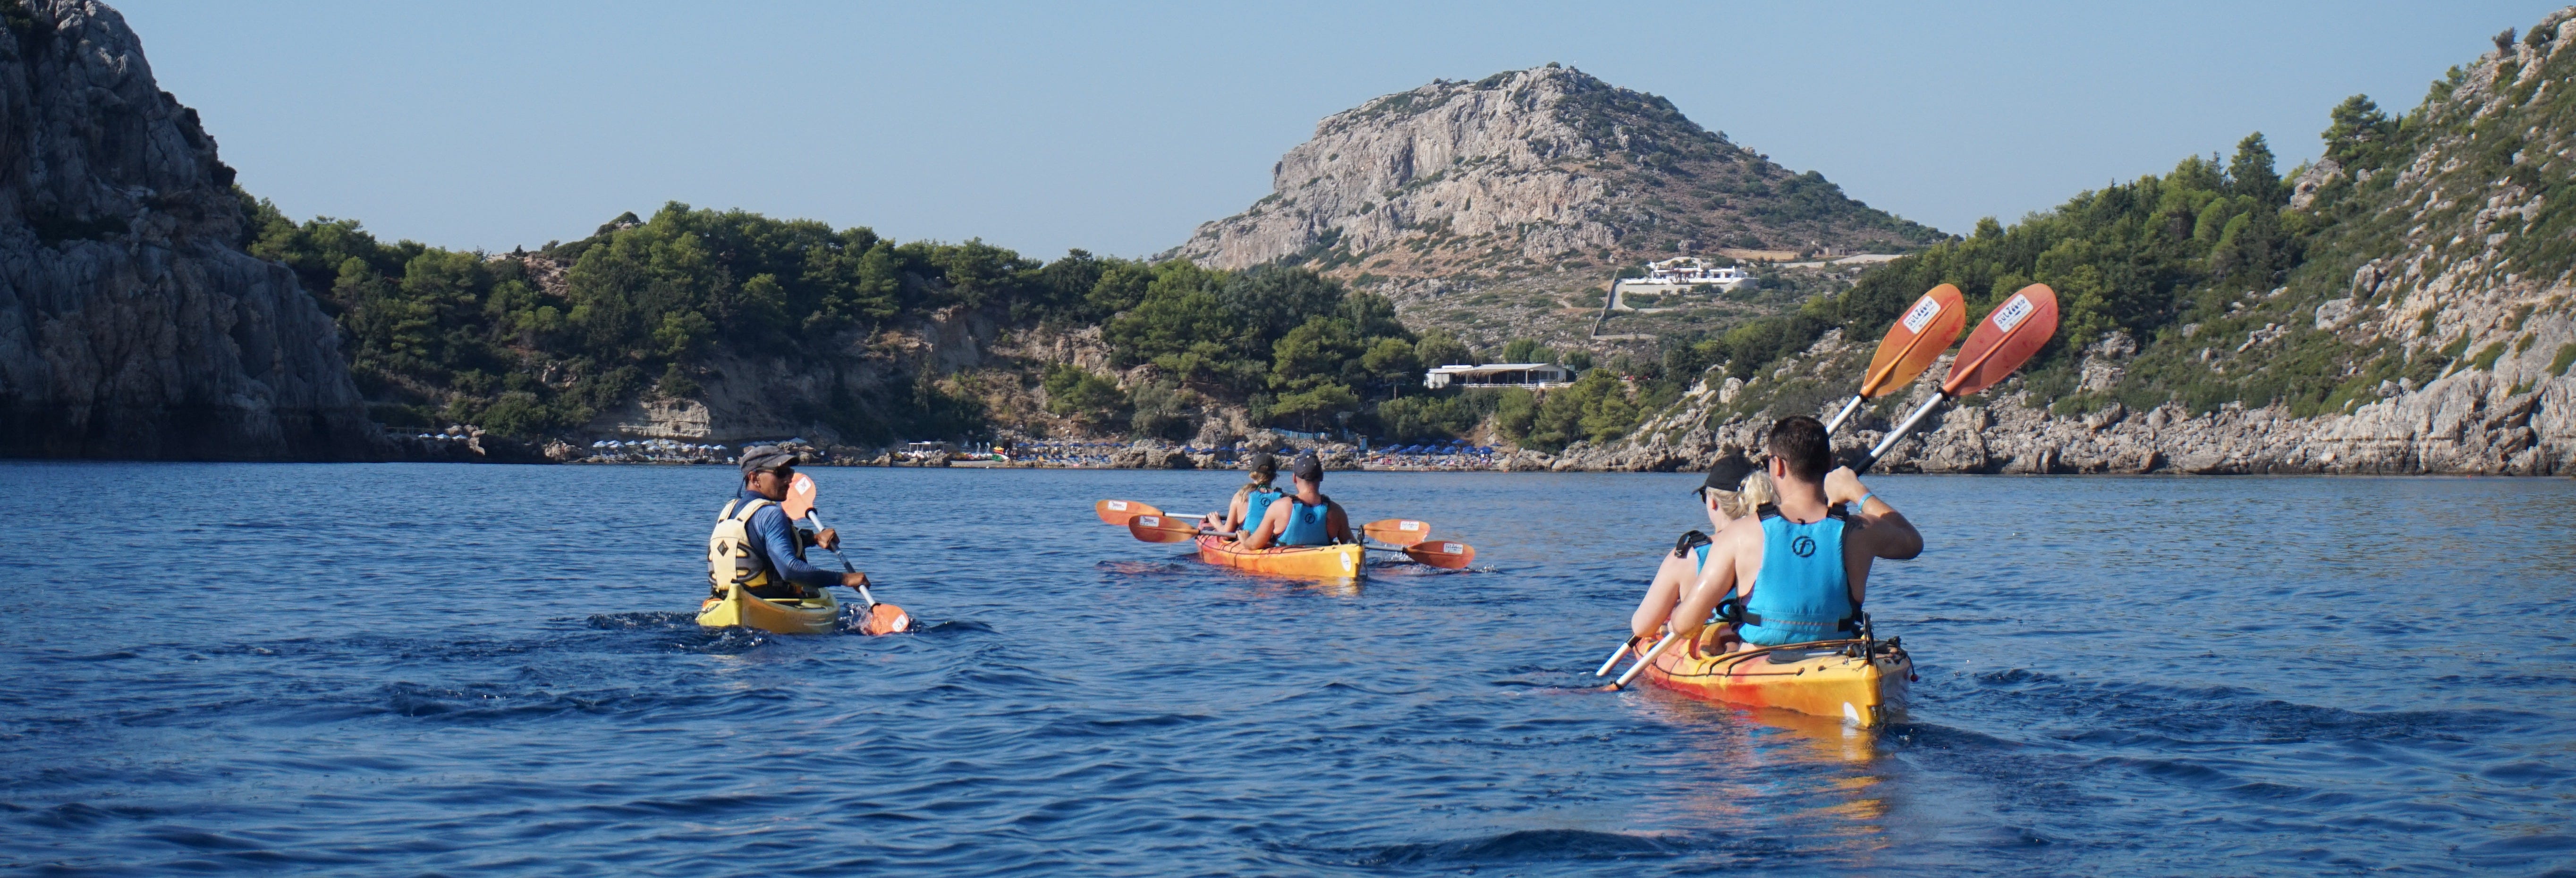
<point>1544,169</point>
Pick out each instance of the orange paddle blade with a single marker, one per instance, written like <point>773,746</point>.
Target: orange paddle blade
<point>1397,531</point>
<point>1453,556</point>
<point>800,497</point>
<point>1918,338</point>
<point>2004,341</point>
<point>885,619</point>
<point>1162,529</point>
<point>1118,511</point>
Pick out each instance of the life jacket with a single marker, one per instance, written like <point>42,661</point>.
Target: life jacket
<point>1694,544</point>
<point>1802,592</point>
<point>1256,503</point>
<point>1306,524</point>
<point>730,558</point>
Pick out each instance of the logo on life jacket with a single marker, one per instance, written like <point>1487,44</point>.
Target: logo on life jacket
<point>1805,546</point>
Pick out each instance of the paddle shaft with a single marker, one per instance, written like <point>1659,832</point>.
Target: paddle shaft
<point>817,519</point>
<point>1640,667</point>
<point>1614,657</point>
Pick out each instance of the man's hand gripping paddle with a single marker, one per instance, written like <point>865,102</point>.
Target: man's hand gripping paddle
<point>1917,339</point>
<point>880,618</point>
<point>2006,339</point>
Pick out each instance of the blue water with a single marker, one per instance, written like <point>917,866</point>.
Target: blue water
<point>422,668</point>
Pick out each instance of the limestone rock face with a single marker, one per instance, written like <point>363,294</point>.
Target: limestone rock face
<point>1546,176</point>
<point>131,323</point>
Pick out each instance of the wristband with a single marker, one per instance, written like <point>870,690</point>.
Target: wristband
<point>1864,499</point>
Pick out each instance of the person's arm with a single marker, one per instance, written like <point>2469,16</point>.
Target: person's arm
<point>1337,523</point>
<point>1717,577</point>
<point>778,542</point>
<point>1883,531</point>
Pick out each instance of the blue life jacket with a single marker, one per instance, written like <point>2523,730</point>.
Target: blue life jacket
<point>1802,593</point>
<point>1306,524</point>
<point>1257,504</point>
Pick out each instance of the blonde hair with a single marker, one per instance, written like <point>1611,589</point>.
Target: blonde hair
<point>1755,493</point>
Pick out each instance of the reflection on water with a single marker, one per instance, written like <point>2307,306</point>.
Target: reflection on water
<point>494,670</point>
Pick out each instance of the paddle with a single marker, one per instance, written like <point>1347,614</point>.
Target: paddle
<point>1613,660</point>
<point>1640,667</point>
<point>1159,528</point>
<point>881,618</point>
<point>1397,531</point>
<point>1444,555</point>
<point>2003,341</point>
<point>1917,339</point>
<point>1118,511</point>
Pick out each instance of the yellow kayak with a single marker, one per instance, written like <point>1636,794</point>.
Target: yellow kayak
<point>1329,562</point>
<point>1825,678</point>
<point>819,614</point>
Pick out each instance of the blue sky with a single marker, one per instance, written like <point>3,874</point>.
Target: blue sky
<point>1119,127</point>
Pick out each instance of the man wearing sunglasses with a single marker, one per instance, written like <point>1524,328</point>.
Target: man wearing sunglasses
<point>1795,571</point>
<point>771,563</point>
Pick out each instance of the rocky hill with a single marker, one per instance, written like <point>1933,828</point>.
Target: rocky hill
<point>2405,305</point>
<point>1494,208</point>
<point>132,325</point>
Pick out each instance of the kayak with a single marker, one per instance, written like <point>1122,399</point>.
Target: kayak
<point>1825,678</point>
<point>815,615</point>
<point>1332,562</point>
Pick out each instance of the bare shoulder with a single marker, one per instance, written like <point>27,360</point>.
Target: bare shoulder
<point>1746,531</point>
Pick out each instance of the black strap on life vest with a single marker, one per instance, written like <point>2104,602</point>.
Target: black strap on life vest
<point>1690,540</point>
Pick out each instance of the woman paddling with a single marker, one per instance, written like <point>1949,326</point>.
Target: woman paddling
<point>1251,500</point>
<point>1732,490</point>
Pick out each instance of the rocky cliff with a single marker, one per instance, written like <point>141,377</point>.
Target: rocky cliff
<point>2433,320</point>
<point>131,323</point>
<point>1531,184</point>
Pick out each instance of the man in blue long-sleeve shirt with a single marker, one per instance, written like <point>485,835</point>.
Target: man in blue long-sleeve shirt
<point>766,472</point>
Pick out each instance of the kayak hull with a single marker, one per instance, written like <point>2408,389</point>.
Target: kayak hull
<point>1820,678</point>
<point>819,614</point>
<point>1321,562</point>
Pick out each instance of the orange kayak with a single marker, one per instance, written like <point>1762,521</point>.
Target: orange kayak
<point>1330,562</point>
<point>1825,678</point>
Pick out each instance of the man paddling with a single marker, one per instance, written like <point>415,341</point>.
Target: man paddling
<point>1797,571</point>
<point>1304,518</point>
<point>1731,491</point>
<point>771,560</point>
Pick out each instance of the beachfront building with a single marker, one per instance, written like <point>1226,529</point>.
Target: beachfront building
<point>1531,375</point>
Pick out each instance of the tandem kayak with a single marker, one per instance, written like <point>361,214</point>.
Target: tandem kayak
<point>1330,562</point>
<point>819,614</point>
<point>1825,678</point>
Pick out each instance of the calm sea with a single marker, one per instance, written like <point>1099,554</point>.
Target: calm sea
<point>494,670</point>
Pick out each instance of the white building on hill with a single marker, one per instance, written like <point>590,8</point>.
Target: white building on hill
<point>1686,272</point>
<point>1531,375</point>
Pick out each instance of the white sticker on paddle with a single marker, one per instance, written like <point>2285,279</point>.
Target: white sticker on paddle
<point>1408,525</point>
<point>1924,310</point>
<point>2013,312</point>
<point>1149,521</point>
<point>1117,505</point>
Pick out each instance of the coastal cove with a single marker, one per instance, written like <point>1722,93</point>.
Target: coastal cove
<point>412,668</point>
